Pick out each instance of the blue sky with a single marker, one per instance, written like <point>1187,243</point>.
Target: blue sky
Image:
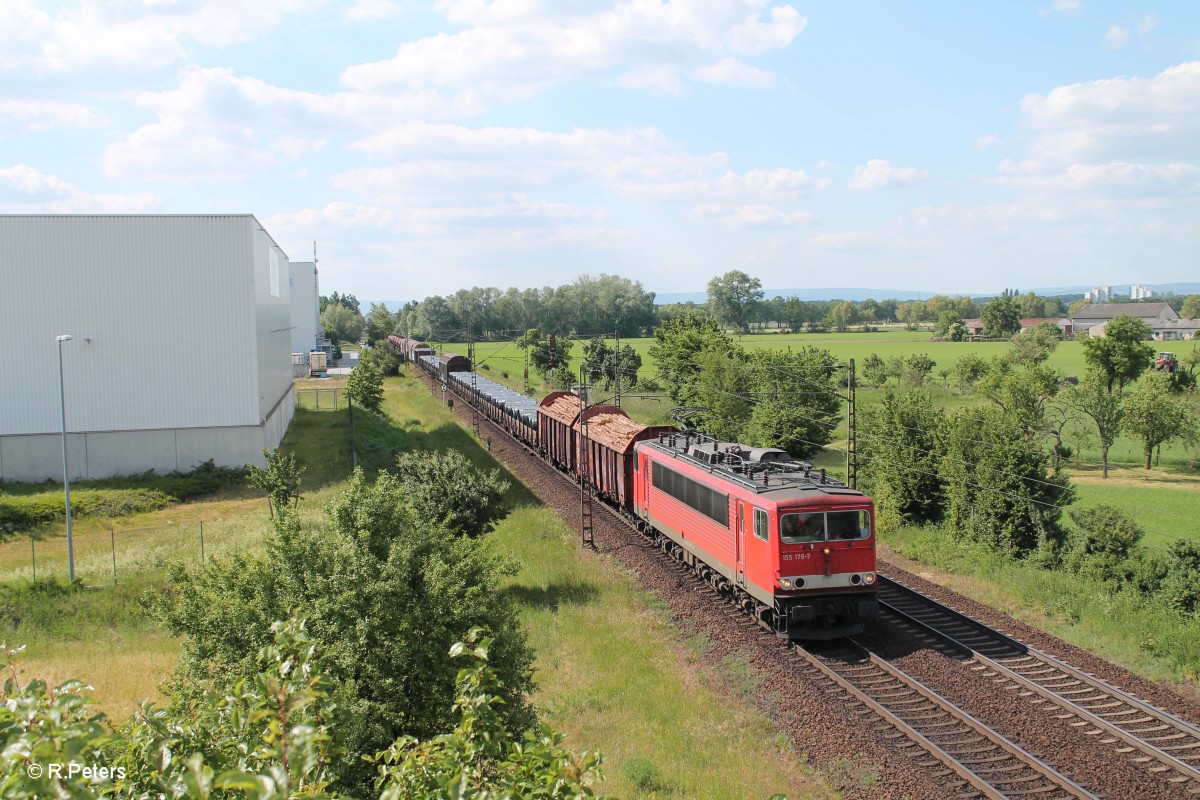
<point>425,147</point>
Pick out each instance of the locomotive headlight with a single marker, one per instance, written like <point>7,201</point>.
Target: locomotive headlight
<point>786,583</point>
<point>868,578</point>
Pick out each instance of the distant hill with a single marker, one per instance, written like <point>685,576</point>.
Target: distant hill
<point>909,294</point>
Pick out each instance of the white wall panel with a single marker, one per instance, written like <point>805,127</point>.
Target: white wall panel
<point>306,304</point>
<point>166,302</point>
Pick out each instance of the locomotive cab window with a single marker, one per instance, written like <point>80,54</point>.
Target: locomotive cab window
<point>848,524</point>
<point>760,524</point>
<point>796,528</point>
<point>831,526</point>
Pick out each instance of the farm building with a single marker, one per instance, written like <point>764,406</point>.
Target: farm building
<point>1088,319</point>
<point>180,348</point>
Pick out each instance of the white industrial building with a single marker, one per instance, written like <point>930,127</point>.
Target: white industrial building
<point>306,306</point>
<point>180,352</point>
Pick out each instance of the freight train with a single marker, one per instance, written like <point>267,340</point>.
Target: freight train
<point>788,544</point>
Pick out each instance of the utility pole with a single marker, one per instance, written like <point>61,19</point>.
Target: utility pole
<point>586,533</point>
<point>852,427</point>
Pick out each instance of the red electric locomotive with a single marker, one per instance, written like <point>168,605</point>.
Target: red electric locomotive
<point>791,545</point>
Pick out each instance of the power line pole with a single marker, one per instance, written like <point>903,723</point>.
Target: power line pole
<point>852,427</point>
<point>586,533</point>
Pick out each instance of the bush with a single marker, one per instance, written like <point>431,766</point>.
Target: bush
<point>365,386</point>
<point>1104,543</point>
<point>445,489</point>
<point>385,596</point>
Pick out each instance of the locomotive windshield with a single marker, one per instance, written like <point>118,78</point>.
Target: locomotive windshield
<point>824,526</point>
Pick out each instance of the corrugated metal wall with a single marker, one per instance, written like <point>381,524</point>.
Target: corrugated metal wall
<point>305,306</point>
<point>179,314</point>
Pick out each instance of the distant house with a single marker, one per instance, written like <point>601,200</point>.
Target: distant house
<point>1063,324</point>
<point>973,327</point>
<point>1090,318</point>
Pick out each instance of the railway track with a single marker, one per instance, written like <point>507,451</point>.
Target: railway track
<point>1153,738</point>
<point>971,758</point>
<point>961,753</point>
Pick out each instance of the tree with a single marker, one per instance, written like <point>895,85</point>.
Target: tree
<point>898,458</point>
<point>875,370</point>
<point>732,297</point>
<point>379,323</point>
<point>1121,354</point>
<point>349,301</point>
<point>280,480</point>
<point>915,369</point>
<point>341,324</point>
<point>970,369</point>
<point>1023,394</point>
<point>1191,307</point>
<point>606,363</point>
<point>1156,416</point>
<point>1001,316</point>
<point>385,597</point>
<point>444,488</point>
<point>382,356</point>
<point>1092,399</point>
<point>1035,345</point>
<point>365,386</point>
<point>842,315</point>
<point>723,385</point>
<point>549,355</point>
<point>677,344</point>
<point>950,325</point>
<point>998,486</point>
<point>796,405</point>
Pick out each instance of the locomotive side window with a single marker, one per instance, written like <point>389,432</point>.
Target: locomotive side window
<point>848,524</point>
<point>760,524</point>
<point>796,528</point>
<point>708,502</point>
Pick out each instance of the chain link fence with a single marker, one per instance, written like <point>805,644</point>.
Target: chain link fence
<point>105,557</point>
<point>322,399</point>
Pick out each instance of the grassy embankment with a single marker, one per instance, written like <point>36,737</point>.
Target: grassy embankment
<point>613,674</point>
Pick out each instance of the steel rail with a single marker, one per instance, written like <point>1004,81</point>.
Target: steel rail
<point>1158,735</point>
<point>991,765</point>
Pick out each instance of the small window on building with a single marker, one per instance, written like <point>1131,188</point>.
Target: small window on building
<point>274,257</point>
<point>761,529</point>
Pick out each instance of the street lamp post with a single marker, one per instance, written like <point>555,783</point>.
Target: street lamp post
<point>62,402</point>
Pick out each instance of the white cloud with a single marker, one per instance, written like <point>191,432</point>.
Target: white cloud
<point>215,124</point>
<point>1147,24</point>
<point>1113,180</point>
<point>733,72</point>
<point>988,141</point>
<point>515,49</point>
<point>752,215</point>
<point>25,190</point>
<point>373,10</point>
<point>1069,7</point>
<point>879,173</point>
<point>1118,119</point>
<point>40,115</point>
<point>845,240</point>
<point>1116,37</point>
<point>131,35</point>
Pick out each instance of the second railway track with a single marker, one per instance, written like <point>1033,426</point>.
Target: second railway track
<point>1159,741</point>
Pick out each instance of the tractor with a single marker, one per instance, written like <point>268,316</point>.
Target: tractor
<point>1166,362</point>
